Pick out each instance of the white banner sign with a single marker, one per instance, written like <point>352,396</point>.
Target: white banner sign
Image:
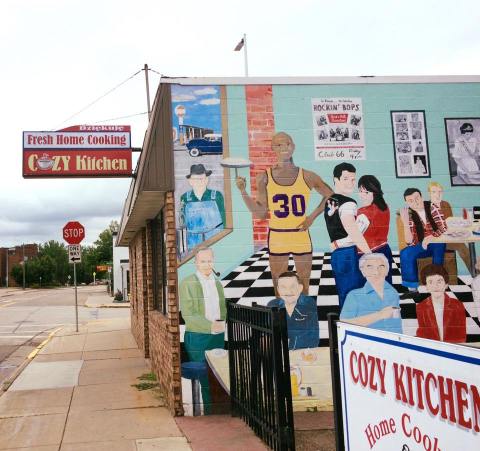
<point>406,393</point>
<point>76,140</point>
<point>74,253</point>
<point>338,132</point>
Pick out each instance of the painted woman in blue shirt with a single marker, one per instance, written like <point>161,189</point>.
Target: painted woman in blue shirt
<point>302,316</point>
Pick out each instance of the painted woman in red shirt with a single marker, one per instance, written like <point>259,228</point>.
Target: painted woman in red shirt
<point>440,317</point>
<point>374,218</point>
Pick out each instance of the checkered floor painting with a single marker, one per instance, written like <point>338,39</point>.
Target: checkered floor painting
<point>252,282</point>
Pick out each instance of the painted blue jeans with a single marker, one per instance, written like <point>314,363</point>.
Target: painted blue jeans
<point>346,271</point>
<point>408,261</point>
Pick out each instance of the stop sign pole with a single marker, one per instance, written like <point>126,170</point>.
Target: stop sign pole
<point>74,233</point>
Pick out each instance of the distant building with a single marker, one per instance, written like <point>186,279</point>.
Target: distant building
<point>121,269</point>
<point>11,256</point>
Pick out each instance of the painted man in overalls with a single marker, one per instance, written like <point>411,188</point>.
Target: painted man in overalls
<point>202,209</point>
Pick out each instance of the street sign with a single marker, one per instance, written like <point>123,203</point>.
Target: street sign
<point>73,232</point>
<point>74,253</point>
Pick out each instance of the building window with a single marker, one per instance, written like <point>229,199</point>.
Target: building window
<point>159,258</point>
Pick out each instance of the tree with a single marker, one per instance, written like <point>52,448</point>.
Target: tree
<point>59,254</point>
<point>51,263</point>
<point>104,243</point>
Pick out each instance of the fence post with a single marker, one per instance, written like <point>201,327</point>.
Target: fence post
<point>282,376</point>
<point>231,358</point>
<point>336,382</point>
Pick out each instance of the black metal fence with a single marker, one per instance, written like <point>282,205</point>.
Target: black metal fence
<point>260,388</point>
<point>336,383</point>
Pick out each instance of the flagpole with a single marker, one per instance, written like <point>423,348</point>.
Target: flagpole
<point>245,53</point>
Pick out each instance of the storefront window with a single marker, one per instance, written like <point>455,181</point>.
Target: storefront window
<point>159,266</point>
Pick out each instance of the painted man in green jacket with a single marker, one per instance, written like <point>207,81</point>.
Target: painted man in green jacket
<point>202,303</point>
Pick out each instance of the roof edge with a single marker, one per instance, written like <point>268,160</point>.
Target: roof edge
<point>362,79</point>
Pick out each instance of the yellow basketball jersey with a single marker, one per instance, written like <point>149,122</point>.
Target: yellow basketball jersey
<point>287,203</point>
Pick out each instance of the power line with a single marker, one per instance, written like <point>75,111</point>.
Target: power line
<point>153,70</point>
<point>97,99</point>
<point>120,117</point>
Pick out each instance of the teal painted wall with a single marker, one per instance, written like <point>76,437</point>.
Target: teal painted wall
<point>292,112</point>
<point>292,109</point>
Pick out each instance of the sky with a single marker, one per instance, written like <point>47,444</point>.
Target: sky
<point>58,56</point>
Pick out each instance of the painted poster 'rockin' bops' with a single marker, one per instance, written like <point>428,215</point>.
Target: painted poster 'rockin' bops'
<point>338,129</point>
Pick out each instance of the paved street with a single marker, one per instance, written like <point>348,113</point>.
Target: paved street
<point>28,317</point>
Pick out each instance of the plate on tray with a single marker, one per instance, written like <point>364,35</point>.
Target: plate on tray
<point>458,234</point>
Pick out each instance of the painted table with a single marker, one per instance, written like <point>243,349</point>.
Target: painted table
<point>310,377</point>
<point>462,234</point>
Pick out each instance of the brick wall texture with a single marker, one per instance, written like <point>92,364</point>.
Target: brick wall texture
<point>158,334</point>
<point>261,127</point>
<point>138,274</point>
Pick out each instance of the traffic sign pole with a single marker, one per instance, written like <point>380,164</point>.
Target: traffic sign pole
<point>76,301</point>
<point>73,234</point>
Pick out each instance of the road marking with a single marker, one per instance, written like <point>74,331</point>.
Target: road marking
<point>16,336</point>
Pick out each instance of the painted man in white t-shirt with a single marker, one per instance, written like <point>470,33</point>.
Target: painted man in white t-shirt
<point>345,232</point>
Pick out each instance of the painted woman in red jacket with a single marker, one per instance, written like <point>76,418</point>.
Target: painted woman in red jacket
<point>440,317</point>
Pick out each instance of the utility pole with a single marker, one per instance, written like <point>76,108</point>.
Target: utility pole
<point>145,68</point>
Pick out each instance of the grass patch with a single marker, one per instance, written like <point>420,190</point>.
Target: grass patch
<point>145,385</point>
<point>147,382</point>
<point>147,377</point>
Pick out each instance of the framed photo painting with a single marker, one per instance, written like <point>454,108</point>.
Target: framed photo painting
<point>463,144</point>
<point>410,144</point>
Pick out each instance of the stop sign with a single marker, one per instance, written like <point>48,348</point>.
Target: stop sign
<point>73,232</point>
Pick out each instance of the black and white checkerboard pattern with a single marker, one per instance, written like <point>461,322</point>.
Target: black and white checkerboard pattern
<point>252,282</point>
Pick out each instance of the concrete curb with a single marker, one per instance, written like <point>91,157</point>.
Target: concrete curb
<point>10,380</point>
<point>120,305</point>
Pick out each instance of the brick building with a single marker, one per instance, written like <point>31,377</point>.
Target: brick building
<point>403,130</point>
<point>15,256</point>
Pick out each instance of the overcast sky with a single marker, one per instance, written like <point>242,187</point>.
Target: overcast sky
<point>57,56</point>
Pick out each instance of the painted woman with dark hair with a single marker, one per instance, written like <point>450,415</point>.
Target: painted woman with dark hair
<point>465,153</point>
<point>440,317</point>
<point>374,217</point>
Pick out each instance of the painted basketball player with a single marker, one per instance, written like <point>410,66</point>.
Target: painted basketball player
<point>283,192</point>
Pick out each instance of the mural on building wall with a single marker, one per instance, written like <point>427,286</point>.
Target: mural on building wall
<point>409,132</point>
<point>412,286</point>
<point>463,150</point>
<point>283,192</point>
<point>338,129</point>
<point>199,179</point>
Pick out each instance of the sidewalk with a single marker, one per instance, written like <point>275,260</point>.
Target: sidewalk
<point>77,395</point>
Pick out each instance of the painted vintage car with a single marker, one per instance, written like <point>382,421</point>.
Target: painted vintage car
<point>210,144</point>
